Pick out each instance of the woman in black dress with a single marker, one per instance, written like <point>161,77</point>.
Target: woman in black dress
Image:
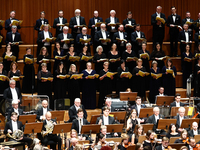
<point>89,88</point>
<point>197,79</point>
<point>97,59</point>
<point>70,53</point>
<point>60,83</point>
<point>83,62</point>
<point>57,52</point>
<point>145,60</point>
<point>14,72</point>
<point>157,55</point>
<point>172,131</point>
<point>74,86</point>
<point>29,73</point>
<point>43,55</point>
<point>184,136</point>
<point>139,81</point>
<point>129,53</point>
<point>186,65</point>
<point>105,84</point>
<point>169,82</point>
<point>139,131</point>
<point>44,85</point>
<point>155,83</point>
<point>3,82</point>
<point>7,62</point>
<point>197,55</point>
<point>149,138</point>
<point>123,82</point>
<point>131,122</point>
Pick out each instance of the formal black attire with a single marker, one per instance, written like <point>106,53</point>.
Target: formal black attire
<point>17,73</point>
<point>83,62</point>
<point>39,23</point>
<point>39,58</point>
<point>73,113</point>
<point>7,95</point>
<point>129,30</point>
<point>80,45</point>
<point>111,120</point>
<point>130,64</point>
<point>20,112</point>
<point>152,120</point>
<point>7,63</point>
<point>182,37</point>
<point>59,29</point>
<point>57,61</point>
<point>169,135</point>
<point>109,28</point>
<point>69,62</point>
<point>39,112</point>
<point>3,84</point>
<point>65,46</point>
<point>191,133</point>
<point>136,108</point>
<point>173,104</point>
<point>121,46</point>
<point>196,81</point>
<point>7,24</point>
<point>191,27</point>
<point>196,39</point>
<point>98,65</point>
<point>158,54</point>
<point>75,124</point>
<point>178,124</point>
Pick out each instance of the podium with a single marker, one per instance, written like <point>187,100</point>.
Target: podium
<point>119,115</point>
<point>187,123</point>
<point>164,100</point>
<point>165,123</point>
<point>146,112</point>
<point>94,119</point>
<point>33,128</point>
<point>92,128</point>
<point>59,115</point>
<point>27,118</point>
<point>115,127</point>
<point>128,96</point>
<point>146,127</point>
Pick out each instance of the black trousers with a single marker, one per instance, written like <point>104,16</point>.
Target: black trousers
<point>52,140</point>
<point>25,140</point>
<point>173,44</point>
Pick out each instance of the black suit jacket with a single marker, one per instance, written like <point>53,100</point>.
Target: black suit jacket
<point>41,37</point>
<point>56,21</point>
<point>61,37</point>
<point>116,35</point>
<point>178,120</point>
<point>75,124</point>
<point>7,95</point>
<point>195,27</point>
<point>129,30</point>
<point>173,30</point>
<point>185,20</point>
<point>134,36</point>
<point>159,147</point>
<point>111,120</point>
<point>39,112</point>
<point>80,45</point>
<point>9,126</point>
<point>73,22</point>
<point>71,148</point>
<point>191,133</point>
<point>92,22</point>
<point>135,107</point>
<point>182,36</point>
<point>108,21</point>
<point>196,38</point>
<point>152,120</point>
<point>173,104</point>
<point>20,111</point>
<point>99,35</point>
<point>39,23</point>
<point>7,24</point>
<point>10,39</point>
<point>111,110</point>
<point>73,113</point>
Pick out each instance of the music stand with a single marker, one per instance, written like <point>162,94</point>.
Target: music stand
<point>59,115</point>
<point>131,147</point>
<point>120,115</point>
<point>2,121</point>
<point>33,128</point>
<point>115,127</point>
<point>27,118</point>
<point>165,123</point>
<point>187,123</point>
<point>164,100</point>
<point>176,145</point>
<point>146,127</point>
<point>146,112</point>
<point>128,96</point>
<point>94,119</point>
<point>92,128</point>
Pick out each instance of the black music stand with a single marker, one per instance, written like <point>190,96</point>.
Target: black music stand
<point>33,128</point>
<point>27,118</point>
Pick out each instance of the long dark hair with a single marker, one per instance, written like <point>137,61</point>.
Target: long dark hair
<point>63,70</point>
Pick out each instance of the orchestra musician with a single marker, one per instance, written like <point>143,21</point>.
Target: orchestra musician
<point>177,102</point>
<point>74,142</point>
<point>108,103</point>
<point>138,105</point>
<point>150,140</point>
<point>41,112</point>
<point>164,145</point>
<point>8,22</point>
<point>161,91</point>
<point>14,108</point>
<point>139,132</point>
<point>192,143</point>
<point>194,131</point>
<point>184,137</point>
<point>132,121</point>
<point>103,130</point>
<point>172,131</point>
<point>73,134</point>
<point>124,144</point>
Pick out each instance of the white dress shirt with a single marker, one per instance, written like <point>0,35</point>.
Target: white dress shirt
<point>177,104</point>
<point>76,107</point>
<point>14,126</point>
<point>138,108</point>
<point>11,20</point>
<point>161,94</point>
<point>186,36</point>
<point>61,21</point>
<point>158,14</point>
<point>105,120</point>
<point>14,94</point>
<point>77,21</point>
<point>95,21</point>
<point>16,110</point>
<point>42,21</point>
<point>65,46</point>
<point>181,118</point>
<point>112,20</point>
<point>188,19</point>
<point>46,35</point>
<point>190,148</point>
<point>80,123</point>
<point>174,18</point>
<point>195,132</point>
<point>138,34</point>
<point>157,117</point>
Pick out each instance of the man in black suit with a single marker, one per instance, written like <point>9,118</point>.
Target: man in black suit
<point>11,38</point>
<point>103,130</point>
<point>155,117</point>
<point>179,118</point>
<point>192,143</point>
<point>161,91</point>
<point>108,103</point>
<point>79,121</point>
<point>12,93</point>
<point>158,27</point>
<point>14,109</point>
<point>75,21</point>
<point>84,36</point>
<point>197,21</point>
<point>112,20</point>
<point>121,46</point>
<point>41,41</point>
<point>8,22</point>
<point>138,105</point>
<point>57,21</point>
<point>41,112</point>
<point>40,22</point>
<point>194,130</point>
<point>177,102</point>
<point>13,125</point>
<point>127,22</point>
<point>164,145</point>
<point>105,35</point>
<point>188,19</point>
<point>50,139</point>
<point>173,21</point>
<point>74,109</point>
<point>137,45</point>
<point>196,39</point>
<point>185,37</point>
<point>63,36</point>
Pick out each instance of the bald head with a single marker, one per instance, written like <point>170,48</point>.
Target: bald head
<point>44,103</point>
<point>48,115</point>
<point>156,111</point>
<point>195,126</point>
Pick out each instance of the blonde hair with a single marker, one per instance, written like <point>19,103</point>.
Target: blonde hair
<point>71,67</point>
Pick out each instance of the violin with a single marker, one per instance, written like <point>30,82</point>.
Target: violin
<point>196,147</point>
<point>168,148</point>
<point>127,145</point>
<point>186,140</point>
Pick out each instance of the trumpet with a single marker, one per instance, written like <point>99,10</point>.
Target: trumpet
<point>17,135</point>
<point>49,128</point>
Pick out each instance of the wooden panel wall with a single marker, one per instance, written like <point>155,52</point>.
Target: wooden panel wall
<point>29,12</point>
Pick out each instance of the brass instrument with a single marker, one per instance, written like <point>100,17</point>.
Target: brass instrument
<point>49,128</point>
<point>17,135</point>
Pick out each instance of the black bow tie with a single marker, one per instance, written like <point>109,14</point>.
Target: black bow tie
<point>84,35</point>
<point>186,31</point>
<point>95,17</point>
<point>13,33</point>
<point>174,15</point>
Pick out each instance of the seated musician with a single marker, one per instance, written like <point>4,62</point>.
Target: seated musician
<point>183,148</point>
<point>14,109</point>
<point>155,117</point>
<point>164,145</point>
<point>108,103</point>
<point>194,130</point>
<point>150,136</point>
<point>49,138</point>
<point>138,146</point>
<point>74,142</point>
<point>12,126</point>
<point>180,117</point>
<point>172,131</point>
<point>124,144</point>
<point>99,142</point>
<point>138,105</point>
<point>131,122</point>
<point>139,131</point>
<point>78,122</point>
<point>192,144</point>
<point>161,91</point>
<point>184,137</point>
<point>41,112</point>
<point>177,102</point>
<point>74,109</point>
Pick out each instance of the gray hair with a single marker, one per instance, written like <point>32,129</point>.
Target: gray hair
<point>98,47</point>
<point>181,108</point>
<point>159,7</point>
<point>43,64</point>
<point>112,11</point>
<point>128,44</point>
<point>77,11</point>
<point>12,81</point>
<point>65,27</point>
